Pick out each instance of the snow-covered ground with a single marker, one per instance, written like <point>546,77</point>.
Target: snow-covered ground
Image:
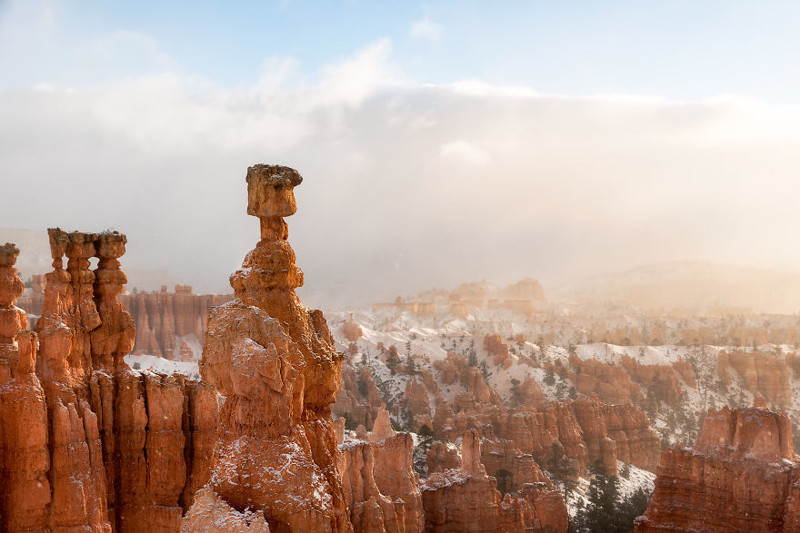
<point>163,366</point>
<point>430,338</point>
<point>636,479</point>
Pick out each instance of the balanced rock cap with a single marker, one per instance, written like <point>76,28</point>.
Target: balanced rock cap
<point>8,254</point>
<point>270,190</point>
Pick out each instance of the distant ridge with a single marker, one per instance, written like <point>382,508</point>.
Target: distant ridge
<point>699,286</point>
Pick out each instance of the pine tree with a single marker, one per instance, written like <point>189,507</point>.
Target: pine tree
<point>549,376</point>
<point>392,359</point>
<point>411,366</point>
<point>605,513</point>
<point>563,469</point>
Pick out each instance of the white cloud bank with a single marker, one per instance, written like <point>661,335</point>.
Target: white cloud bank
<point>407,185</point>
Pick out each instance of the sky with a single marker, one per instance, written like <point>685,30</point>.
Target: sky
<point>440,142</point>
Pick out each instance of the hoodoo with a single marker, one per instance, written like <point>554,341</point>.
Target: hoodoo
<point>276,364</point>
<point>87,444</point>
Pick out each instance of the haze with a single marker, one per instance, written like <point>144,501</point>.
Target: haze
<point>439,143</point>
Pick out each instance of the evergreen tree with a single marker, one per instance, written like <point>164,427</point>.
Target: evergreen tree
<point>411,366</point>
<point>549,376</point>
<point>484,371</point>
<point>605,512</point>
<point>472,357</point>
<point>505,480</point>
<point>563,469</point>
<point>601,512</point>
<point>392,359</point>
<point>426,439</point>
<point>516,396</point>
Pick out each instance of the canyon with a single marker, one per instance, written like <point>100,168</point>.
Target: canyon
<point>478,408</point>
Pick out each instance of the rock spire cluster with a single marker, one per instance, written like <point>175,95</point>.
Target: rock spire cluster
<point>86,444</point>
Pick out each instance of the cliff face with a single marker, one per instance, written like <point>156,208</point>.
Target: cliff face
<point>763,374</point>
<point>276,364</point>
<point>380,486</point>
<point>87,444</point>
<point>742,475</point>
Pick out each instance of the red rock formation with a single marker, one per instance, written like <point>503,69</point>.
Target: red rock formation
<point>466,499</point>
<point>601,449</point>
<point>441,457</point>
<point>380,486</point>
<point>561,422</point>
<point>609,382</point>
<point>763,374</point>
<point>352,330</point>
<point>660,379</point>
<point>497,349</point>
<point>171,324</point>
<point>24,453</point>
<point>395,477</point>
<point>530,393</point>
<point>450,368</point>
<point>512,468</point>
<point>416,398</point>
<point>382,429</point>
<point>635,441</point>
<point>585,430</point>
<point>88,445</point>
<point>226,518</point>
<point>114,336</point>
<point>685,371</point>
<point>463,499</point>
<point>358,398</point>
<point>276,364</point>
<point>742,475</point>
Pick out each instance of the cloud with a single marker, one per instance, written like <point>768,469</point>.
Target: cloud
<point>352,80</point>
<point>464,151</point>
<point>425,28</point>
<point>407,185</point>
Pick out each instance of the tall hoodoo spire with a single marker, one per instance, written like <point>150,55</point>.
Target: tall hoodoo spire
<point>276,364</point>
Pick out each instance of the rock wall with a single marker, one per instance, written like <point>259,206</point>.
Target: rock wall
<point>86,443</point>
<point>380,486</point>
<point>742,475</point>
<point>762,374</point>
<point>171,324</point>
<point>276,364</point>
<point>168,324</point>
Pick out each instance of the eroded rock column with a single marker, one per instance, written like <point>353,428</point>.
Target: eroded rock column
<point>276,364</point>
<point>24,456</point>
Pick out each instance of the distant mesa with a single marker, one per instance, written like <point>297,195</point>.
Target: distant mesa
<point>525,297</point>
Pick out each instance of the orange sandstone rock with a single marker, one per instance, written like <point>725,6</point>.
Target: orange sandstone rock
<point>86,444</point>
<point>742,475</point>
<point>276,364</point>
<point>497,349</point>
<point>24,453</point>
<point>170,324</point>
<point>466,499</point>
<point>352,330</point>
